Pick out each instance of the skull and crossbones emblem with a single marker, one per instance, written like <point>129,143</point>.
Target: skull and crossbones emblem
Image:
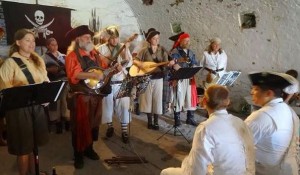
<point>38,26</point>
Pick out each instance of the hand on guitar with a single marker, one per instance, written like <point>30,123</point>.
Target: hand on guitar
<point>139,64</point>
<point>171,63</point>
<point>96,75</point>
<point>118,67</point>
<point>176,66</point>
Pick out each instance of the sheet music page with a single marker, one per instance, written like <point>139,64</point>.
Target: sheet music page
<point>228,78</point>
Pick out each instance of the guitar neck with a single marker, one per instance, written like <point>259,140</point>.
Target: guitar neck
<point>159,64</point>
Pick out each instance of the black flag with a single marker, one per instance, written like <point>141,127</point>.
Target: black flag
<point>45,21</point>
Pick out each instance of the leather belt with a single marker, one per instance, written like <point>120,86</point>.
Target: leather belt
<point>116,82</point>
<point>213,71</point>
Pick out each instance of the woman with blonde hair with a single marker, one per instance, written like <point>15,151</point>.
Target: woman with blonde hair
<point>214,62</point>
<point>24,67</point>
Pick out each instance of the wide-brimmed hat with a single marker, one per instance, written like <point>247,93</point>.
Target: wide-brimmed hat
<point>271,80</point>
<point>78,31</point>
<point>151,33</point>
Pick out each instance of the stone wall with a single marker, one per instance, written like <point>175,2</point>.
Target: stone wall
<point>272,45</point>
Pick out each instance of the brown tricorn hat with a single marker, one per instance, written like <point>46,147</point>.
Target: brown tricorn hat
<point>78,31</point>
<point>151,33</point>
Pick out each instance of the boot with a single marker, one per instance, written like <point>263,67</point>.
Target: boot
<point>150,125</point>
<point>59,127</point>
<point>109,132</point>
<point>137,109</point>
<point>190,118</point>
<point>95,133</point>
<point>78,160</point>
<point>155,125</point>
<point>125,137</point>
<point>90,153</point>
<point>177,119</point>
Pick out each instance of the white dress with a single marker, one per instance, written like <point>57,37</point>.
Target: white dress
<point>222,145</point>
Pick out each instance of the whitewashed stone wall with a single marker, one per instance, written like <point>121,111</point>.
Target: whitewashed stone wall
<point>272,45</point>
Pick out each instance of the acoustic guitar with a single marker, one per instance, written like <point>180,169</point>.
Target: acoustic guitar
<point>108,73</point>
<point>149,67</point>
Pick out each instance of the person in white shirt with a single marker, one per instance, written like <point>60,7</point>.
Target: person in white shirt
<point>222,145</point>
<point>214,62</point>
<point>110,104</point>
<point>274,126</point>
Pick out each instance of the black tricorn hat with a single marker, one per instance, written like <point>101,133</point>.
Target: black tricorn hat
<point>272,80</point>
<point>175,37</point>
<point>78,31</point>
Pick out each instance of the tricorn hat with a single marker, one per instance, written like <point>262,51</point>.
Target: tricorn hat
<point>175,37</point>
<point>272,80</point>
<point>78,31</point>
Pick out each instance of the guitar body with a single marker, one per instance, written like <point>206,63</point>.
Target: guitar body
<point>147,69</point>
<point>94,83</point>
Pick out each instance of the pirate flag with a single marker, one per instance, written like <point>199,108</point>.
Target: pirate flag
<point>45,21</point>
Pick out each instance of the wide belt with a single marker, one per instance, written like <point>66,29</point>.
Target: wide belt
<point>213,71</point>
<point>116,82</point>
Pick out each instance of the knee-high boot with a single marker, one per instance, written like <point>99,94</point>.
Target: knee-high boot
<point>155,125</point>
<point>190,118</point>
<point>177,119</point>
<point>150,125</point>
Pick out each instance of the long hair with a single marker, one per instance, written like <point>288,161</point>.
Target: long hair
<point>209,49</point>
<point>20,34</point>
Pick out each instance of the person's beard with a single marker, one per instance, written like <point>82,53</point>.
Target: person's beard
<point>86,46</point>
<point>185,46</point>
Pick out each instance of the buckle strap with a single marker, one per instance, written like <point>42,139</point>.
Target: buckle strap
<point>213,71</point>
<point>116,82</point>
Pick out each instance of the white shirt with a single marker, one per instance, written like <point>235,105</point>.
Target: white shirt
<point>223,142</point>
<point>272,127</point>
<point>105,51</point>
<point>214,61</point>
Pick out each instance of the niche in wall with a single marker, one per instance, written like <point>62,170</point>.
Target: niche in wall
<point>247,20</point>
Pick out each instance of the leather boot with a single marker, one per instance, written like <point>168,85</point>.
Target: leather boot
<point>190,118</point>
<point>78,160</point>
<point>177,119</point>
<point>150,125</point>
<point>95,133</point>
<point>90,153</point>
<point>155,125</point>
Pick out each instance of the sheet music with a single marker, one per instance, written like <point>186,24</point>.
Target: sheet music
<point>228,78</point>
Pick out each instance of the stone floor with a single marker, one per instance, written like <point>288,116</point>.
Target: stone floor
<point>168,151</point>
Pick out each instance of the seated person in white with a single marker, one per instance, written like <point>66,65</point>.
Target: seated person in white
<point>222,145</point>
<point>274,126</point>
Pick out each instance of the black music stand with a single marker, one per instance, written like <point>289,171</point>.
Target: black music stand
<point>28,96</point>
<point>182,73</point>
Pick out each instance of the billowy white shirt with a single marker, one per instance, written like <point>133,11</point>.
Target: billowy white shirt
<point>105,51</point>
<point>213,62</point>
<point>223,142</point>
<point>273,128</point>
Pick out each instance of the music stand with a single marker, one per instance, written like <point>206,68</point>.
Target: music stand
<point>28,96</point>
<point>182,73</point>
